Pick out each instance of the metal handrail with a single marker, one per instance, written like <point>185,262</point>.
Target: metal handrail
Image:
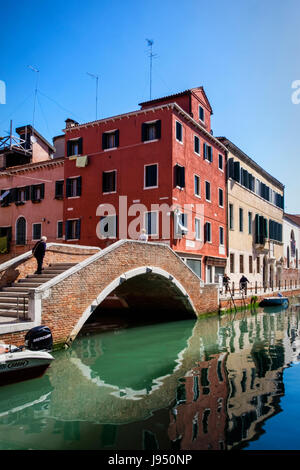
<point>255,288</point>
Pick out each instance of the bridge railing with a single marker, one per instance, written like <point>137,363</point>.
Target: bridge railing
<point>256,288</point>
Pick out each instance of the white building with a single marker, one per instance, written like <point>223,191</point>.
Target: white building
<point>291,247</point>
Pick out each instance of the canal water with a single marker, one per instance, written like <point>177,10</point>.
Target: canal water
<point>221,382</point>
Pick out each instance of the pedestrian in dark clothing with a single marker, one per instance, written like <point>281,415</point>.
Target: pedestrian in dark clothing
<point>226,280</point>
<point>243,283</point>
<point>38,252</point>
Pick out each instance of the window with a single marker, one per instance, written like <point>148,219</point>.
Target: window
<point>151,131</point>
<point>74,147</point>
<point>59,229</point>
<point>207,190</point>
<point>73,229</point>
<point>180,225</point>
<point>195,266</point>
<point>221,235</point>
<point>179,176</point>
<point>37,192</point>
<point>207,152</point>
<point>178,131</point>
<point>196,145</point>
<point>110,140</point>
<point>6,198</point>
<point>151,176</point>
<point>151,223</point>
<point>22,195</point>
<point>197,185</point>
<point>109,181</point>
<point>108,226</point>
<point>250,264</point>
<point>73,187</point>
<point>36,231</point>
<point>257,186</point>
<point>241,219</point>
<point>231,216</point>
<point>249,223</point>
<point>275,230</point>
<point>201,113</point>
<point>208,232</point>
<point>59,189</point>
<point>232,262</point>
<point>221,202</point>
<point>261,229</point>
<point>198,229</point>
<point>241,264</point>
<point>21,231</point>
<point>209,275</point>
<point>258,265</point>
<point>220,161</point>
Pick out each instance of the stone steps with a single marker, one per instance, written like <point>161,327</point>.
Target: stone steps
<point>14,298</point>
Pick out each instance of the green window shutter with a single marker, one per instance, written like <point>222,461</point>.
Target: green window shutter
<point>42,191</point>
<point>68,187</point>
<point>230,168</point>
<point>79,185</point>
<point>257,228</point>
<point>117,135</point>
<point>236,171</point>
<point>77,229</point>
<point>158,129</point>
<point>67,230</point>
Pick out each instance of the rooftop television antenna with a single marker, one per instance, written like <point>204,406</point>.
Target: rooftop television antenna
<point>34,69</point>
<point>96,78</point>
<point>151,55</point>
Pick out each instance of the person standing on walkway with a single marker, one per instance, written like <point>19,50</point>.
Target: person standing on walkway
<point>38,252</point>
<point>243,284</point>
<point>226,280</point>
<point>143,236</point>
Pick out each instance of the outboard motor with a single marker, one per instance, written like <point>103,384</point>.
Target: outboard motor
<point>39,338</point>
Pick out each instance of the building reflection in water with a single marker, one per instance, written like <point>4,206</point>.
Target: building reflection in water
<point>209,390</point>
<point>223,402</point>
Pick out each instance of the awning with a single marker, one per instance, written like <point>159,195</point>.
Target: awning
<point>215,261</point>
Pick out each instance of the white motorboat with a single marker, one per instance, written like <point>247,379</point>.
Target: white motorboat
<point>18,363</point>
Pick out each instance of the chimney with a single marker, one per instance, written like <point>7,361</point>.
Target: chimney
<point>70,123</point>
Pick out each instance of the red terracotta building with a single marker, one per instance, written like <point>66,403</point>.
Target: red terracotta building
<point>158,168</point>
<point>31,201</point>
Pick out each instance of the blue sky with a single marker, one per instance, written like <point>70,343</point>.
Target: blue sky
<point>245,54</point>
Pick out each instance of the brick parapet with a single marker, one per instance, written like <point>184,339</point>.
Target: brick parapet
<point>65,302</point>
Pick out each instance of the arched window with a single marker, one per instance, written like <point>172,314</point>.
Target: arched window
<point>21,231</point>
<point>288,257</point>
<point>293,244</point>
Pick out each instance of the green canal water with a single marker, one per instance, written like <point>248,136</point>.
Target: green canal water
<point>229,382</point>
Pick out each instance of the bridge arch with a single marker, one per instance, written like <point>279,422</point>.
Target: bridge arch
<point>66,301</point>
<point>144,274</point>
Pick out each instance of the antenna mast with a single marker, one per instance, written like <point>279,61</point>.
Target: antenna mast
<point>151,55</point>
<point>35,91</point>
<point>97,78</point>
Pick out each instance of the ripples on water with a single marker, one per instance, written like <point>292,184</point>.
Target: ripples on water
<point>227,382</point>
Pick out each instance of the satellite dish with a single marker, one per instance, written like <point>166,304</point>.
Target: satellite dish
<point>33,139</point>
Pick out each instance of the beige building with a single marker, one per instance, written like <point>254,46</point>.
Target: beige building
<point>255,221</point>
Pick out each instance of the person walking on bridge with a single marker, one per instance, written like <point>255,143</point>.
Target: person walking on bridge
<point>38,252</point>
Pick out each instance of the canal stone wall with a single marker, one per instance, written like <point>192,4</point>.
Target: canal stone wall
<point>66,302</point>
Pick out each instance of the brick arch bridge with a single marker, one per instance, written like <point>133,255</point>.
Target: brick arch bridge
<point>141,274</point>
